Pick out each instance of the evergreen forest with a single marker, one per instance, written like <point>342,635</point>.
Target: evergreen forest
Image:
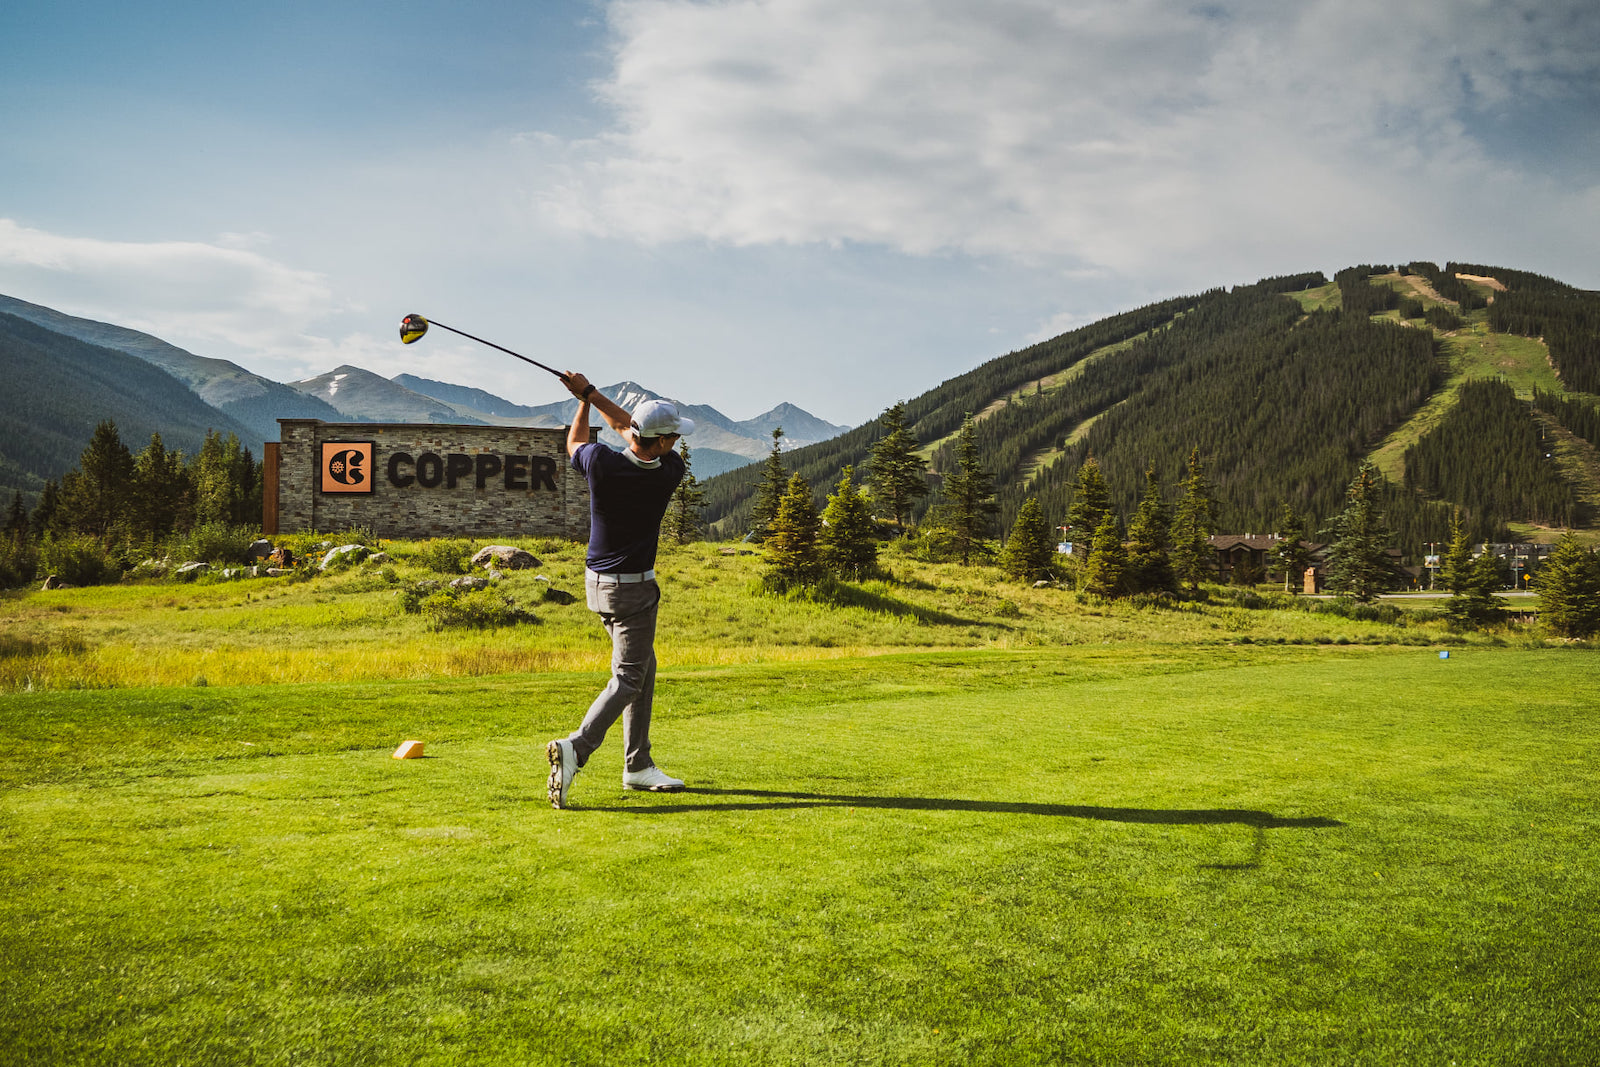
<point>1285,387</point>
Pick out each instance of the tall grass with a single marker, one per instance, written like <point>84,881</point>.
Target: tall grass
<point>353,623</point>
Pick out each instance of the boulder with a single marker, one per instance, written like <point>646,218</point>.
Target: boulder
<point>260,548</point>
<point>470,582</point>
<point>343,550</point>
<point>504,557</point>
<point>192,569</point>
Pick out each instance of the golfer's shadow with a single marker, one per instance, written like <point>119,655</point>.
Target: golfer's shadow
<point>771,800</point>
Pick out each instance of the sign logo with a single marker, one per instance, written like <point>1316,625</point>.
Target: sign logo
<point>347,466</point>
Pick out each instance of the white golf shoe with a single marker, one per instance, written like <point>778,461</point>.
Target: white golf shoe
<point>563,768</point>
<point>653,779</point>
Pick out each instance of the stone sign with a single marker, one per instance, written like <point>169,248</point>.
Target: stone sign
<point>417,481</point>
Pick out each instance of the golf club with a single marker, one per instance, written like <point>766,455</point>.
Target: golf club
<point>412,328</point>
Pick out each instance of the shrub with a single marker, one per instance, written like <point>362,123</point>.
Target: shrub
<point>445,556</point>
<point>412,596</point>
<point>1349,608</point>
<point>78,559</point>
<point>481,609</point>
<point>19,562</point>
<point>214,542</point>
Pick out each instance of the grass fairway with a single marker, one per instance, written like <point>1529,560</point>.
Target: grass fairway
<point>1126,853</point>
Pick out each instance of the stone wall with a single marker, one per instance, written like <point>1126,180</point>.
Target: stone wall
<point>435,481</point>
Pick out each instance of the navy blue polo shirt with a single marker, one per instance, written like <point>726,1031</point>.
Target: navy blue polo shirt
<point>626,503</point>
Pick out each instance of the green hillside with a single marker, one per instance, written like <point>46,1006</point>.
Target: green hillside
<point>59,388</point>
<point>251,401</point>
<point>1286,386</point>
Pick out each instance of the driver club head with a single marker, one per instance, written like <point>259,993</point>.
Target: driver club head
<point>412,327</point>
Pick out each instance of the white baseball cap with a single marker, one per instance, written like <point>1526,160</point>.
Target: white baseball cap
<point>660,418</point>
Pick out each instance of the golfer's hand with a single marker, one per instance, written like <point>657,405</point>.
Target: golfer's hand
<point>577,384</point>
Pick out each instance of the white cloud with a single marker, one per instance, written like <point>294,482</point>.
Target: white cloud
<point>1116,133</point>
<point>206,291</point>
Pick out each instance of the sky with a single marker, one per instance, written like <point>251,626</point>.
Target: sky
<point>833,203</point>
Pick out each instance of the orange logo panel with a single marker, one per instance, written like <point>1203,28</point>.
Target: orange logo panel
<point>347,466</point>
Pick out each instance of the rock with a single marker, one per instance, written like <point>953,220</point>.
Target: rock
<point>378,557</point>
<point>470,581</point>
<point>192,569</point>
<point>51,582</point>
<point>504,557</point>
<point>343,550</point>
<point>558,596</point>
<point>1043,584</point>
<point>260,548</point>
<point>279,572</point>
<point>495,576</point>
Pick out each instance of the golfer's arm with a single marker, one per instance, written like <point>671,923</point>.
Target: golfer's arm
<point>615,417</point>
<point>578,432</point>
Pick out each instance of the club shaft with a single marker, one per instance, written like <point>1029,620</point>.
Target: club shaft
<point>491,344</point>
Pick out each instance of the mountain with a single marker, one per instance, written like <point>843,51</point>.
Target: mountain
<point>800,428</point>
<point>362,396</point>
<point>719,444</point>
<point>59,388</point>
<point>1285,387</point>
<point>225,396</point>
<point>464,396</point>
<point>253,403</point>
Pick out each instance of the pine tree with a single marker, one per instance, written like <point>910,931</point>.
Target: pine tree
<point>227,483</point>
<point>968,495</point>
<point>1472,582</point>
<point>1106,571</point>
<point>791,542</point>
<point>94,497</point>
<point>847,544</point>
<point>769,494</point>
<point>1090,505</point>
<point>1358,558</point>
<point>1569,589</point>
<point>45,510</point>
<point>1030,550</point>
<point>17,521</point>
<point>1149,565</point>
<point>682,522</point>
<point>897,475</point>
<point>1192,526</point>
<point>1456,572</point>
<point>1289,553</point>
<point>160,496</point>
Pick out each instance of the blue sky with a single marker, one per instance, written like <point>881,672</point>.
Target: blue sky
<point>836,203</point>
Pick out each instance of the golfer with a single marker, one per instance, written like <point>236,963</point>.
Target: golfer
<point>628,494</point>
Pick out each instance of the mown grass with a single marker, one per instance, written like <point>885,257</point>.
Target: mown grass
<point>1135,852</point>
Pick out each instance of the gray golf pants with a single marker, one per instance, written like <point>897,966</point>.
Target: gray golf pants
<point>629,615</point>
